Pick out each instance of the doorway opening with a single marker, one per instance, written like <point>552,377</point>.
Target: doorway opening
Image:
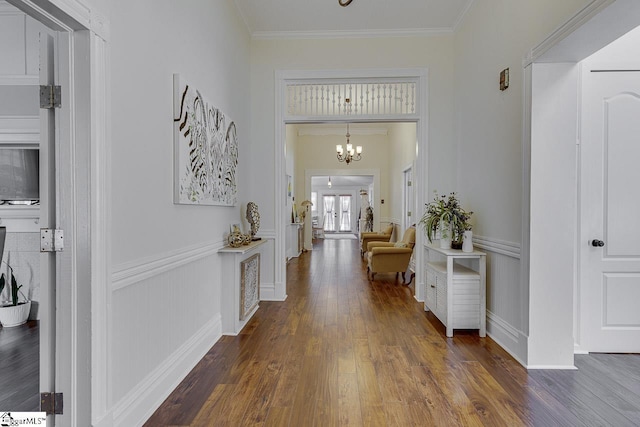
<point>28,203</point>
<point>338,206</point>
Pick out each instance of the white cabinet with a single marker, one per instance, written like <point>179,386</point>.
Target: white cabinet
<point>240,285</point>
<point>454,293</point>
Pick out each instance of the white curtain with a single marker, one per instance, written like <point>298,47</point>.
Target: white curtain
<point>345,213</point>
<point>329,223</point>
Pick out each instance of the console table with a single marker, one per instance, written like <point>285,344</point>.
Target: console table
<point>454,293</point>
<point>240,274</point>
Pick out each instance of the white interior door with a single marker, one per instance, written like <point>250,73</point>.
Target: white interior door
<point>47,220</point>
<point>610,210</point>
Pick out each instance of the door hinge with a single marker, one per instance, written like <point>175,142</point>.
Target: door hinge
<point>50,96</point>
<point>51,240</point>
<point>408,183</point>
<point>409,213</point>
<point>51,403</point>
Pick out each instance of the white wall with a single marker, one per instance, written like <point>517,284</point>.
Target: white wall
<point>495,35</point>
<point>166,273</point>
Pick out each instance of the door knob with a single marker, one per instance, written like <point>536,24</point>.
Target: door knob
<point>597,243</point>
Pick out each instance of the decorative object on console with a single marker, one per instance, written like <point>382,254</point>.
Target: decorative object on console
<point>253,216</point>
<point>368,225</point>
<point>467,241</point>
<point>235,238</point>
<point>444,214</point>
<point>304,208</point>
<point>205,150</point>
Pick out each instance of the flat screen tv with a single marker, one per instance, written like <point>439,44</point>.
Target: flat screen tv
<point>19,175</point>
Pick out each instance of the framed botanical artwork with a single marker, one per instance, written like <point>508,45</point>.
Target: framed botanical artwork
<point>249,285</point>
<point>205,150</point>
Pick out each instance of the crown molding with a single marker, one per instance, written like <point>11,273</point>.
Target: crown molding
<point>462,16</point>
<point>568,28</point>
<point>243,17</point>
<point>351,34</point>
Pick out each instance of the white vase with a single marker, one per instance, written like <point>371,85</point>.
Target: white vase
<point>445,236</point>
<point>467,241</point>
<point>14,315</point>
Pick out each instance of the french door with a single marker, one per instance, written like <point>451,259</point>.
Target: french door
<point>337,212</point>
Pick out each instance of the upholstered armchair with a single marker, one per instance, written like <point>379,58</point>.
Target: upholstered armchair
<point>387,257</point>
<point>367,236</point>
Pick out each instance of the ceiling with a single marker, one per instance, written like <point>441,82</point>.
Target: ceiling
<point>326,18</point>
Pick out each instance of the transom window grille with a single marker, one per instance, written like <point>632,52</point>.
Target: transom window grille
<point>374,98</point>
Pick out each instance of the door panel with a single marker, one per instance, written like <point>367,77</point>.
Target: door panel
<point>610,208</point>
<point>621,156</point>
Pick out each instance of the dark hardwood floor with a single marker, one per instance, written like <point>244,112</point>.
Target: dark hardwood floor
<point>342,350</point>
<point>20,368</point>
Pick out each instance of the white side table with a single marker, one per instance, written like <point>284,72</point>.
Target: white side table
<point>240,276</point>
<point>456,294</point>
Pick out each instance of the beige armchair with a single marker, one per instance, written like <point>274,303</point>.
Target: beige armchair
<point>367,236</point>
<point>387,257</point>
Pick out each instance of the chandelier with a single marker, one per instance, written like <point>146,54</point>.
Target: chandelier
<point>350,154</point>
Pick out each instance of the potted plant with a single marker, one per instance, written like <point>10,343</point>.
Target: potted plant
<point>445,214</point>
<point>13,312</point>
<point>368,224</point>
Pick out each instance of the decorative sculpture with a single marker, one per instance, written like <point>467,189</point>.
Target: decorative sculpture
<point>253,216</point>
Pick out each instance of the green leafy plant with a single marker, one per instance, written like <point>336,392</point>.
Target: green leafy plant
<point>14,289</point>
<point>445,209</point>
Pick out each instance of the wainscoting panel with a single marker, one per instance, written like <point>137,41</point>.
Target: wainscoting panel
<point>504,295</point>
<point>166,316</point>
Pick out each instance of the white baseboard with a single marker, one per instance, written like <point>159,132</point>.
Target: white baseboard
<point>143,399</point>
<point>509,338</point>
<point>553,367</point>
<point>268,293</point>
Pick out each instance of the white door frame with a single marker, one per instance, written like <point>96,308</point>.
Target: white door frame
<point>422,149</point>
<point>82,338</point>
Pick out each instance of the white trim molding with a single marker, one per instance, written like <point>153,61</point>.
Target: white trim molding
<point>502,247</point>
<point>512,340</point>
<point>134,272</point>
<point>568,28</point>
<point>352,34</point>
<point>143,399</point>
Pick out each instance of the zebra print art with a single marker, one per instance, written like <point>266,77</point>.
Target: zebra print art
<point>206,150</point>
